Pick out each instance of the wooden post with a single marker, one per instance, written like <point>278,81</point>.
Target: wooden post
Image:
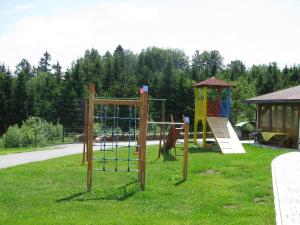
<point>160,136</point>
<point>196,114</point>
<point>139,151</point>
<point>87,137</point>
<point>258,116</point>
<point>270,118</point>
<point>143,135</point>
<point>284,118</point>
<point>298,127</point>
<point>90,137</point>
<point>204,117</point>
<point>186,147</point>
<point>163,105</point>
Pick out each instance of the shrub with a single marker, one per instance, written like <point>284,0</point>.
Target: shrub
<point>13,137</point>
<point>2,143</point>
<point>34,131</point>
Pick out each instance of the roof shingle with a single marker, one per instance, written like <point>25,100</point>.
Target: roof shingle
<point>283,96</point>
<point>213,83</point>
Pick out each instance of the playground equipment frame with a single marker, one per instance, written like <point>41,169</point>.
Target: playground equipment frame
<point>142,103</point>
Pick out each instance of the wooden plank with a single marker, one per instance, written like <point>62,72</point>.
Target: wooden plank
<point>90,137</point>
<point>165,123</point>
<point>186,147</point>
<point>116,102</point>
<point>227,139</point>
<point>143,136</point>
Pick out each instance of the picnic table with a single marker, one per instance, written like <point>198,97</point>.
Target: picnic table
<point>277,138</point>
<point>274,138</point>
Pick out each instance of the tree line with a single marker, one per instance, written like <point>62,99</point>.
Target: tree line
<point>46,91</point>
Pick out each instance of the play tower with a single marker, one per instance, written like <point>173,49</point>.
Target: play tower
<point>214,112</point>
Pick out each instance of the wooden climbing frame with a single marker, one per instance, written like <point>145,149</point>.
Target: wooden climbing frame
<point>142,103</point>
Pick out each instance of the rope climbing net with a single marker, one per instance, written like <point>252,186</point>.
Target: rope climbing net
<point>117,138</point>
<point>121,135</point>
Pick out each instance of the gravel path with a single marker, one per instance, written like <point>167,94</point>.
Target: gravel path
<point>286,188</point>
<point>35,156</point>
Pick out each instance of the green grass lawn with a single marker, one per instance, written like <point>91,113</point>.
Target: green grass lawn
<point>221,189</point>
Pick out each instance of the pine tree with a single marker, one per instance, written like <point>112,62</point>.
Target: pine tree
<point>168,88</point>
<point>107,73</point>
<point>118,62</point>
<point>236,69</point>
<point>25,68</point>
<point>19,98</point>
<point>70,105</point>
<point>44,63</point>
<point>5,98</point>
<point>206,64</point>
<point>57,72</point>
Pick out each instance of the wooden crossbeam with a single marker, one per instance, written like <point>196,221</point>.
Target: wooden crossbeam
<point>116,102</point>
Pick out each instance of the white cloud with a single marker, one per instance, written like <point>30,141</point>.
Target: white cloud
<point>7,11</point>
<point>10,9</point>
<point>253,31</point>
<point>25,7</point>
<point>67,34</point>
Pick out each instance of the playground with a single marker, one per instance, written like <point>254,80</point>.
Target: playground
<point>176,181</point>
<point>214,113</point>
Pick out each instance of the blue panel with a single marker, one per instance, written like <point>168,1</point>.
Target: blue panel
<point>186,119</point>
<point>228,102</point>
<point>145,88</point>
<point>223,111</point>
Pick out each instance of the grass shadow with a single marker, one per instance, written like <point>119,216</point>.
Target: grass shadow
<point>169,157</point>
<point>119,194</point>
<point>179,182</point>
<point>71,197</point>
<point>196,149</point>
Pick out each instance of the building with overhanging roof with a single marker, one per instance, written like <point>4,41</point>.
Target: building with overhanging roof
<point>278,113</point>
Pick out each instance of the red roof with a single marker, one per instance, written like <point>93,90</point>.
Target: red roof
<point>213,83</point>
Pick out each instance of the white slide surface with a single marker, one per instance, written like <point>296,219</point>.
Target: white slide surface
<point>225,135</point>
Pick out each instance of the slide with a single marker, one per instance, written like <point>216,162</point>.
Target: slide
<point>225,135</point>
<point>171,138</point>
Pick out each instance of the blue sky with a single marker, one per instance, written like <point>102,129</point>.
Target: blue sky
<point>256,31</point>
<point>13,10</point>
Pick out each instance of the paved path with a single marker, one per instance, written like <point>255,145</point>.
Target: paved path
<point>286,188</point>
<point>59,151</point>
<point>28,157</point>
